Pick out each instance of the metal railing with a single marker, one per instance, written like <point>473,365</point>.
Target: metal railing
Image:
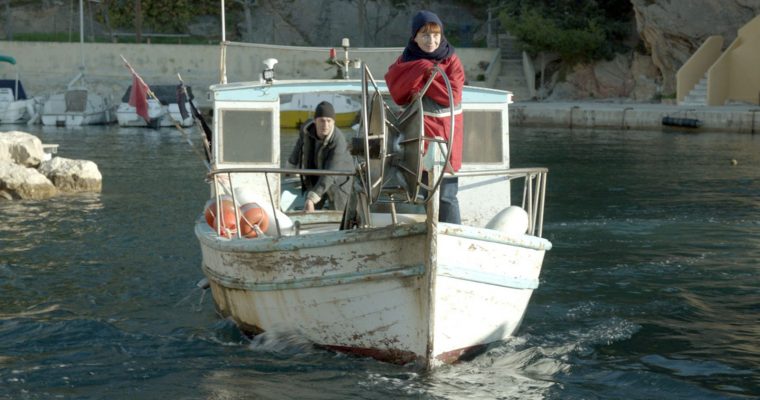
<point>533,193</point>
<point>227,172</point>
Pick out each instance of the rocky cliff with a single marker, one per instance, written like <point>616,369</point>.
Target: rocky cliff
<point>669,32</point>
<point>673,29</point>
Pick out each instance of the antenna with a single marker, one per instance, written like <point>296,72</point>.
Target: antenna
<point>224,24</point>
<point>81,36</point>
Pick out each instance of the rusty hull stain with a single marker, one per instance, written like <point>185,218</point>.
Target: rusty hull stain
<point>392,356</point>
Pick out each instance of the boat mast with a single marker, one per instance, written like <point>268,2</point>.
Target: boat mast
<point>223,55</point>
<point>80,75</point>
<point>81,36</point>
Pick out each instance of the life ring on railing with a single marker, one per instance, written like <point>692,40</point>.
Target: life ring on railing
<point>253,220</point>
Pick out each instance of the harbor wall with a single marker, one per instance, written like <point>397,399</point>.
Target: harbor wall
<point>635,116</point>
<point>46,67</point>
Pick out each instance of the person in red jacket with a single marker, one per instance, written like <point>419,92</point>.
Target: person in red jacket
<point>407,77</point>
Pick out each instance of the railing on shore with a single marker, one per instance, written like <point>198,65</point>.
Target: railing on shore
<point>148,36</point>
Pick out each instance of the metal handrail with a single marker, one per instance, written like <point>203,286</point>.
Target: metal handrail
<point>533,199</point>
<point>268,170</point>
<point>534,191</point>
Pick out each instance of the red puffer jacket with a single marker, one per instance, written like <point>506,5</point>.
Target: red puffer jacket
<point>406,79</point>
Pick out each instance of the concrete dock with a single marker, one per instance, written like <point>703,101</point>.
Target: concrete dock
<point>637,116</point>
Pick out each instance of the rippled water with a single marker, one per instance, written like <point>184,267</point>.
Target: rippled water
<point>651,290</point>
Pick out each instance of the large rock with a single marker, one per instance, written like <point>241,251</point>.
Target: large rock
<point>624,77</point>
<point>674,30</point>
<point>19,182</point>
<point>21,148</point>
<point>647,81</point>
<point>72,176</point>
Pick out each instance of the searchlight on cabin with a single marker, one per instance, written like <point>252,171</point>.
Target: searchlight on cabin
<point>268,74</point>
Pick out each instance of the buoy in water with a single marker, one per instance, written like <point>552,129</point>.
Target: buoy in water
<point>681,122</point>
<point>512,220</point>
<point>228,221</point>
<point>253,220</point>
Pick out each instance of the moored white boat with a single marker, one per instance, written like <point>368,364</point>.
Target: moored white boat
<point>15,106</point>
<point>163,112</point>
<point>78,104</point>
<point>382,278</point>
<point>297,108</point>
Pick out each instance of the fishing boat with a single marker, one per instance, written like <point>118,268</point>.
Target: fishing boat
<point>297,108</point>
<point>164,110</point>
<point>383,277</point>
<point>78,104</point>
<point>15,107</point>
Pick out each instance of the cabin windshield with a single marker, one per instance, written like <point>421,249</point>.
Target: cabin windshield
<point>483,137</point>
<point>246,136</point>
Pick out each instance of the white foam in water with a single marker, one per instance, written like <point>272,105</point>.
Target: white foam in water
<point>281,341</point>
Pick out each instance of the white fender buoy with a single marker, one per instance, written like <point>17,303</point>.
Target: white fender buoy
<point>512,220</point>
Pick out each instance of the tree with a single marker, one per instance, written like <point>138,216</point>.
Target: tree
<point>577,30</point>
<point>157,15</point>
<point>247,6</point>
<point>138,21</point>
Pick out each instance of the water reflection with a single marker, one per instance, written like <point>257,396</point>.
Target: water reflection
<point>650,290</point>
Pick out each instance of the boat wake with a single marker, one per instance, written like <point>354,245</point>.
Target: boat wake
<point>284,342</point>
<point>30,312</point>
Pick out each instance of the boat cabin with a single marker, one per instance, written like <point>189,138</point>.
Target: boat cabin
<point>249,148</point>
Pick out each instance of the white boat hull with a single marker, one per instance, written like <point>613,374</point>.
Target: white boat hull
<point>166,115</point>
<point>13,111</point>
<point>88,109</point>
<point>383,292</point>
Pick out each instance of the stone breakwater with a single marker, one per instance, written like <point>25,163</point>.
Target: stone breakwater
<point>26,173</point>
<point>624,116</point>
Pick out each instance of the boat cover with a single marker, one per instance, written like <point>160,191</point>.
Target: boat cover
<point>166,93</point>
<point>11,84</point>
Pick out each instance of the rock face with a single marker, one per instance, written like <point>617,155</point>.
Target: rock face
<point>21,148</point>
<point>19,182</point>
<point>671,31</point>
<point>72,176</point>
<point>632,77</point>
<point>21,152</point>
<point>674,30</point>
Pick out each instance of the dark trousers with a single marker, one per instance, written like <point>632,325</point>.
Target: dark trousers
<point>448,205</point>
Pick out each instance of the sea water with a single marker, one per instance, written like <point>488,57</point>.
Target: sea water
<point>651,290</point>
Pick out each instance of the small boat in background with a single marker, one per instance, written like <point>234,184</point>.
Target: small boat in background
<point>165,111</point>
<point>296,108</point>
<point>15,107</point>
<point>78,105</point>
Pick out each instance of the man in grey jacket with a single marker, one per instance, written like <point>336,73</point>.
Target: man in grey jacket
<point>322,145</point>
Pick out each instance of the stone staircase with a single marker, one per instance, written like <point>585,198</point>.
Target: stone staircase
<point>698,95</point>
<point>511,76</point>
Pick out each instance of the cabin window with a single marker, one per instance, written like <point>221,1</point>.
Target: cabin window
<point>246,136</point>
<point>482,137</point>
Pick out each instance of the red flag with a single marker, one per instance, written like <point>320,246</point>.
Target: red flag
<point>138,96</point>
